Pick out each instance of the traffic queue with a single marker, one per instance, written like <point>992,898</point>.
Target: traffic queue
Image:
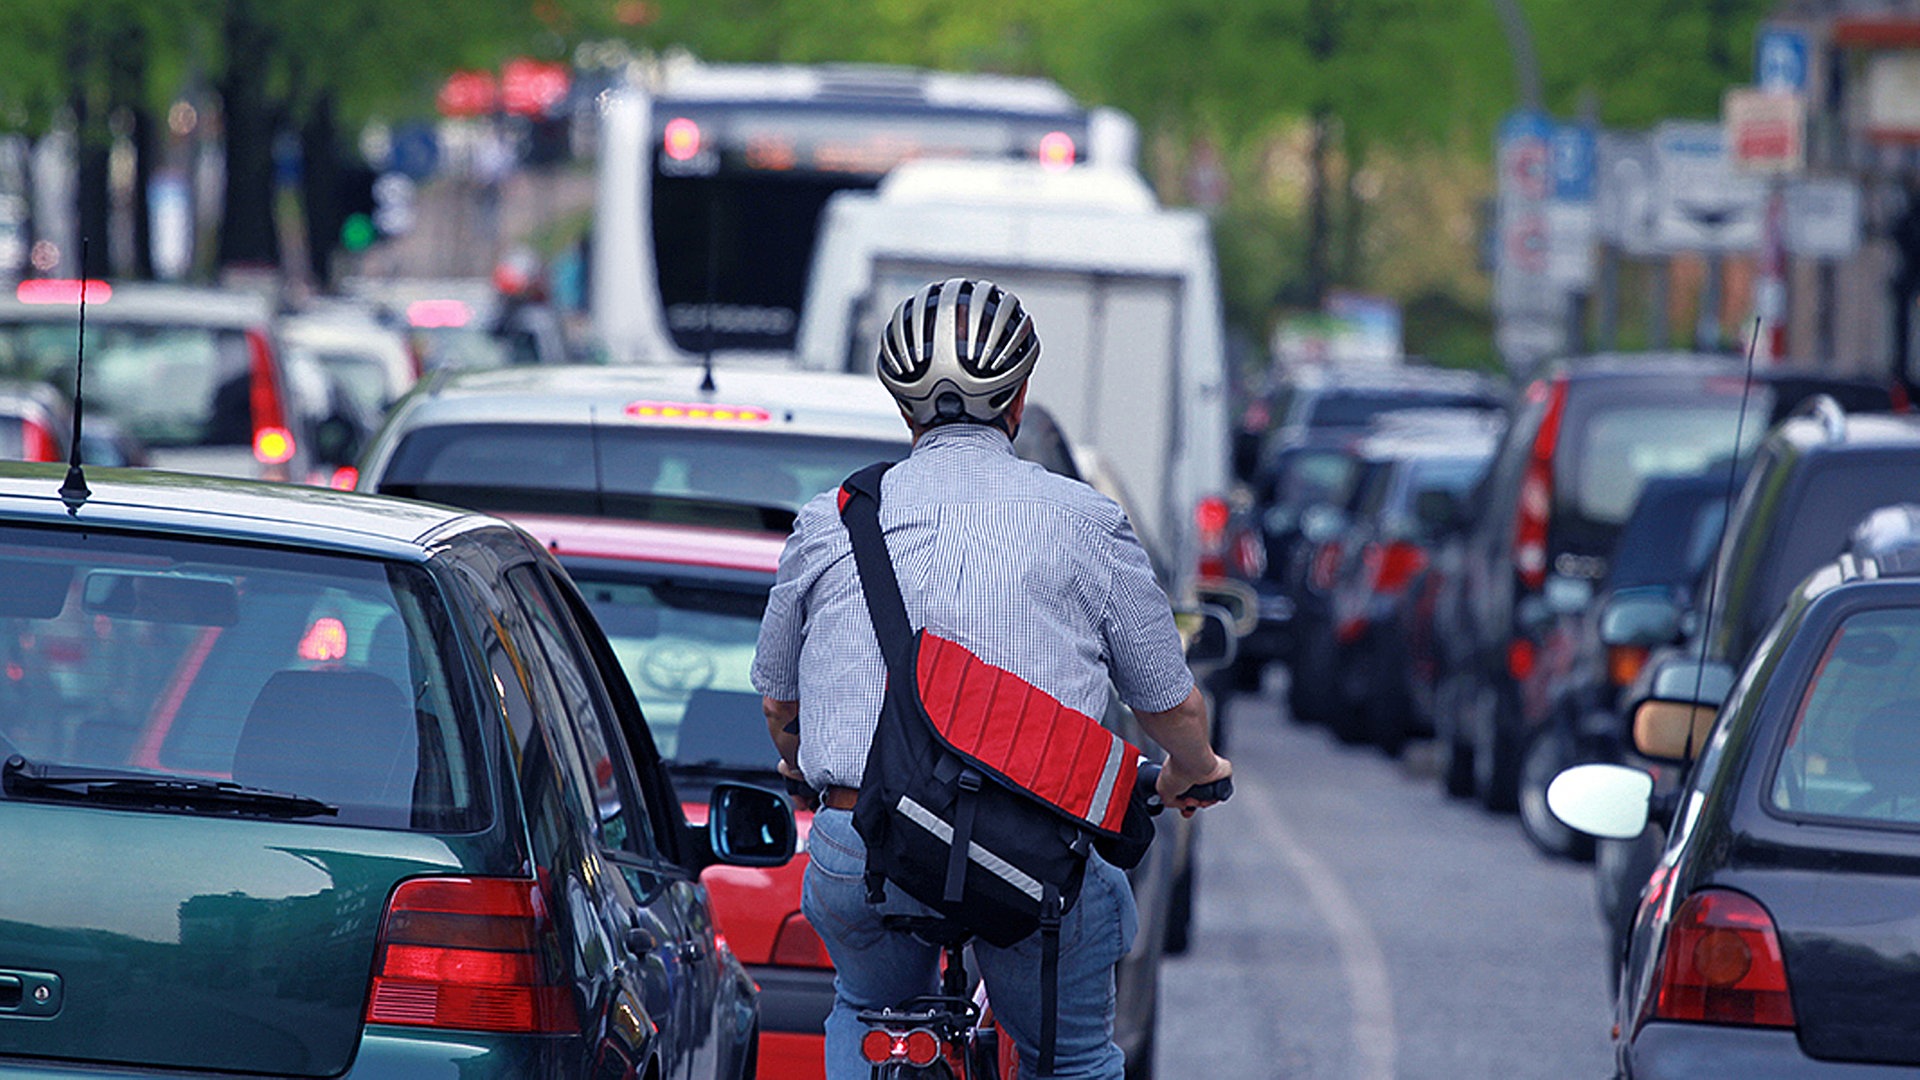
<point>1658,622</point>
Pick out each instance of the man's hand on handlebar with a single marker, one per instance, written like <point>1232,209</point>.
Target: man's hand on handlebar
<point>1177,787</point>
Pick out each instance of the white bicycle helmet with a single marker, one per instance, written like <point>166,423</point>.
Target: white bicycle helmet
<point>958,349</point>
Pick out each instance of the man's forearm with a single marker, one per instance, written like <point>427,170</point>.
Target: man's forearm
<point>1184,733</point>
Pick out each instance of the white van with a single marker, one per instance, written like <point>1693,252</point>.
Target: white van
<point>1123,293</point>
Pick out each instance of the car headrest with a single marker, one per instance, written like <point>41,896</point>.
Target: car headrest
<point>1886,748</point>
<point>347,738</point>
<point>726,726</point>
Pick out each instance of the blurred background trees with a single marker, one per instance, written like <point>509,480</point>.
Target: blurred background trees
<point>1338,143</point>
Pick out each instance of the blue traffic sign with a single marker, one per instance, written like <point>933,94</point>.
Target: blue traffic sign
<point>1573,162</point>
<point>1780,60</point>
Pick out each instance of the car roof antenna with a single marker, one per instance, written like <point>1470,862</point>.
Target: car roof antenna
<point>1726,519</point>
<point>74,491</point>
<point>713,290</point>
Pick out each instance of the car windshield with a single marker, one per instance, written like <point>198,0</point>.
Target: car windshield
<point>1854,749</point>
<point>658,473</point>
<point>686,644</point>
<point>1357,408</point>
<point>169,386</point>
<point>304,674</point>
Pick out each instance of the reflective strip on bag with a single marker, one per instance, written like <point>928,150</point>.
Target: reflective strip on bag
<point>986,860</point>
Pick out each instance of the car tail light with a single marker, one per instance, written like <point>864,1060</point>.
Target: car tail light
<point>1722,964</point>
<point>471,954</point>
<point>1211,515</point>
<point>1391,567</point>
<point>1350,630</point>
<point>1624,663</point>
<point>344,478</point>
<point>272,441</point>
<point>325,640</point>
<point>1521,657</point>
<point>1057,150</point>
<point>1902,402</point>
<point>798,945</point>
<point>1536,493</point>
<point>37,443</point>
<point>1326,563</point>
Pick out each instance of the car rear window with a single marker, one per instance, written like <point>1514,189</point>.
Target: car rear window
<point>654,473</point>
<point>303,674</point>
<point>1620,447</point>
<point>686,644</point>
<point>1357,408</point>
<point>168,386</point>
<point>1854,749</point>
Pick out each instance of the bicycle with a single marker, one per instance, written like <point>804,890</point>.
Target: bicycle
<point>941,1036</point>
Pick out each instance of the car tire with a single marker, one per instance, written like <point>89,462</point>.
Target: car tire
<point>1548,752</point>
<point>1496,753</point>
<point>1354,675</point>
<point>1310,691</point>
<point>1453,751</point>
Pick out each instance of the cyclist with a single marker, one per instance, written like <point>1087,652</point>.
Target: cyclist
<point>1034,573</point>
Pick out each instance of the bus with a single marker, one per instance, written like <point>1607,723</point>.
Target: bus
<point>712,180</point>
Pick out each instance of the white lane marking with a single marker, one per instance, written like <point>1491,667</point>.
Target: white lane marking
<point>1369,991</point>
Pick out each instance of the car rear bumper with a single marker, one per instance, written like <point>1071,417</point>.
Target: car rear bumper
<point>1663,1051</point>
<point>380,1056</point>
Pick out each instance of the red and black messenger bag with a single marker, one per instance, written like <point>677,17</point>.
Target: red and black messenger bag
<point>983,794</point>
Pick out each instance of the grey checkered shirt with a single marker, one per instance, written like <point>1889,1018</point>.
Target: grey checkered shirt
<point>1033,572</point>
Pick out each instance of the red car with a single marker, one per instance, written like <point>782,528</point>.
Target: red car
<point>681,606</point>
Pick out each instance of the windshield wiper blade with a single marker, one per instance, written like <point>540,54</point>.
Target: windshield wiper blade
<point>126,787</point>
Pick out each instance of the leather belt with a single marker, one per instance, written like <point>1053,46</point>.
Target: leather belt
<point>839,798</point>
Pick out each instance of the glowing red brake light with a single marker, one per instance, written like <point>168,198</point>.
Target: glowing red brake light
<point>1722,964</point>
<point>1057,150</point>
<point>693,412</point>
<point>62,291</point>
<point>469,954</point>
<point>681,139</point>
<point>920,1047</point>
<point>272,441</point>
<point>439,314</point>
<point>877,1046</point>
<point>798,945</point>
<point>326,639</point>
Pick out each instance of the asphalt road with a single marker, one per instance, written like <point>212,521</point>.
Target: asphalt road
<point>1354,923</point>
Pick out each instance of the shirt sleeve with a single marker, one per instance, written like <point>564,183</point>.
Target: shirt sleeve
<point>1148,663</point>
<point>776,657</point>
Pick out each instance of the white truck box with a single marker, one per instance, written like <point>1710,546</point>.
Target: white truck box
<point>1123,292</point>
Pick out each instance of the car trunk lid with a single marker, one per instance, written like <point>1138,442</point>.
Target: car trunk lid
<point>193,942</point>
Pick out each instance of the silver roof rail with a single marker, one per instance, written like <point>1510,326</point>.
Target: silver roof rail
<point>1822,407</point>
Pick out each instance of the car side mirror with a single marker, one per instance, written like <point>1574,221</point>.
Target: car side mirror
<point>1608,801</point>
<point>749,826</point>
<point>1673,706</point>
<point>1209,635</point>
<point>1235,599</point>
<point>1640,617</point>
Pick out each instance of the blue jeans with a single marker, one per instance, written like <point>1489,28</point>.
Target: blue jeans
<point>876,967</point>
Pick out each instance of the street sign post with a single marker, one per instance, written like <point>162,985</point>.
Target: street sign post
<point>1527,304</point>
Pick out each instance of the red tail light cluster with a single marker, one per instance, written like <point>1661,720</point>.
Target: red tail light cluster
<point>1326,563</point>
<point>917,1047</point>
<point>798,945</point>
<point>1211,515</point>
<point>1392,567</point>
<point>1723,964</point>
<point>1536,492</point>
<point>272,440</point>
<point>471,954</point>
<point>37,443</point>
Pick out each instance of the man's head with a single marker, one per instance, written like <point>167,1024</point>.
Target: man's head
<point>959,351</point>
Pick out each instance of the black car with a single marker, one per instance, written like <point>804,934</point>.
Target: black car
<point>1776,936</point>
<point>1584,438</point>
<point>1817,474</point>
<point>310,784</point>
<point>1589,657</point>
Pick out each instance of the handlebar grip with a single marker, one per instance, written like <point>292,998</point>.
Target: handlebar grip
<point>1146,784</point>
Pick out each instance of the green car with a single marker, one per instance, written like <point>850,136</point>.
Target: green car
<point>296,782</point>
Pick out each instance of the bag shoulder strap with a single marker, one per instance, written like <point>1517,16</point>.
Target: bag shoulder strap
<point>860,512</point>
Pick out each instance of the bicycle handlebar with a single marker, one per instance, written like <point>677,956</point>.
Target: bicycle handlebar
<point>1146,785</point>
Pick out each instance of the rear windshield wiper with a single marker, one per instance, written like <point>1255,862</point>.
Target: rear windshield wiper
<point>125,787</point>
